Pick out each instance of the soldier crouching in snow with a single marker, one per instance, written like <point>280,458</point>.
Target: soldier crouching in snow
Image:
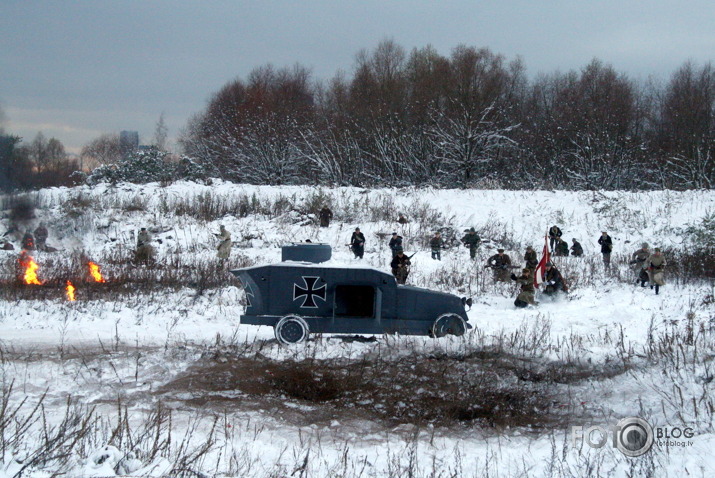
<point>526,295</point>
<point>561,248</point>
<point>28,241</point>
<point>224,247</point>
<point>554,280</point>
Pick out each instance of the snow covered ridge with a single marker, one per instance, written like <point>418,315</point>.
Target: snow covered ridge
<point>157,351</point>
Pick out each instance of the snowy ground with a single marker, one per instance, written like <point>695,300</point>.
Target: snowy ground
<point>132,350</point>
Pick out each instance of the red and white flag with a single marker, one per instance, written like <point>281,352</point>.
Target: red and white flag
<point>540,270</point>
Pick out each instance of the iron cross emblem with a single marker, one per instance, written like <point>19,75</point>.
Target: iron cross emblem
<point>308,292</point>
<point>248,290</point>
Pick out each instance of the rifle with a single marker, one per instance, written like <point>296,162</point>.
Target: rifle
<point>503,267</point>
<point>403,265</point>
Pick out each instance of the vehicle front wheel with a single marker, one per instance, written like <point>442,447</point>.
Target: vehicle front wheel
<point>291,329</point>
<point>449,324</point>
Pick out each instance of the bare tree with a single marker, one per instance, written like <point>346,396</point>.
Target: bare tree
<point>468,144</point>
<point>593,162</point>
<point>251,131</point>
<point>15,165</point>
<point>687,115</point>
<point>696,171</point>
<point>685,126</point>
<point>39,153</point>
<point>333,157</point>
<point>56,155</point>
<point>427,118</point>
<point>103,150</point>
<point>160,133</point>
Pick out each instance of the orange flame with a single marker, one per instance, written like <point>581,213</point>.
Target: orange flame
<point>31,267</point>
<point>70,292</point>
<point>95,273</point>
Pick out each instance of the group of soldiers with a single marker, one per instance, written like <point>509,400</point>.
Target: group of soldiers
<point>32,241</point>
<point>649,267</point>
<point>145,252</point>
<point>501,265</point>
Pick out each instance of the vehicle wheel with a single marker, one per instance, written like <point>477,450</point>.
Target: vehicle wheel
<point>449,324</point>
<point>291,329</point>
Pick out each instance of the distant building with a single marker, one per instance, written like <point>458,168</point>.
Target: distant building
<point>128,142</point>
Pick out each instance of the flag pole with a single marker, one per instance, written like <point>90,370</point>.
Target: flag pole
<point>541,267</point>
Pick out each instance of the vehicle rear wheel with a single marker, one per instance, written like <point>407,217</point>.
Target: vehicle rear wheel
<point>448,324</point>
<point>291,329</point>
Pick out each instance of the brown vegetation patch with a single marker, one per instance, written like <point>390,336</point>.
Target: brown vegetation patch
<point>488,389</point>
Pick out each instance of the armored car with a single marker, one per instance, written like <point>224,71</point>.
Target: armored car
<point>306,294</point>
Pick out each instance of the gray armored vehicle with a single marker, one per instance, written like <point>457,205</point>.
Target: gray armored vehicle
<point>304,295</point>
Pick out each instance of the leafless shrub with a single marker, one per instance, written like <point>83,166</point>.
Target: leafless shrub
<point>77,204</point>
<point>53,445</point>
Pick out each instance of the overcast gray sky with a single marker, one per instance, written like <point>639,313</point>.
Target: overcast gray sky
<point>75,69</point>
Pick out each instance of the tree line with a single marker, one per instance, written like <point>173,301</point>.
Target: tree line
<point>40,163</point>
<point>470,119</point>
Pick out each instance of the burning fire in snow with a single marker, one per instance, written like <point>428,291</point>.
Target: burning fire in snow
<point>31,267</point>
<point>95,272</point>
<point>70,291</point>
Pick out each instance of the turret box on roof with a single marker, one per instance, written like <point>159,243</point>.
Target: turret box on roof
<point>306,252</point>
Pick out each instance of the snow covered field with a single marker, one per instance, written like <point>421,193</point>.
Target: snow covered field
<point>144,364</point>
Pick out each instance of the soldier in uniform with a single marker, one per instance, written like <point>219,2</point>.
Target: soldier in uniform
<point>28,241</point>
<point>554,280</point>
<point>472,241</point>
<point>500,264</point>
<point>656,264</point>
<point>400,266</point>
<point>395,243</point>
<point>562,248</point>
<point>325,216</point>
<point>606,247</point>
<point>145,251</point>
<point>554,236</point>
<point>526,295</point>
<point>402,219</point>
<point>435,245</point>
<point>224,247</point>
<point>357,243</point>
<point>640,267</point>
<point>576,249</point>
<point>530,258</point>
<point>41,236</point>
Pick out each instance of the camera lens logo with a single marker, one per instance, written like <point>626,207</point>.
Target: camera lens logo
<point>634,436</point>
